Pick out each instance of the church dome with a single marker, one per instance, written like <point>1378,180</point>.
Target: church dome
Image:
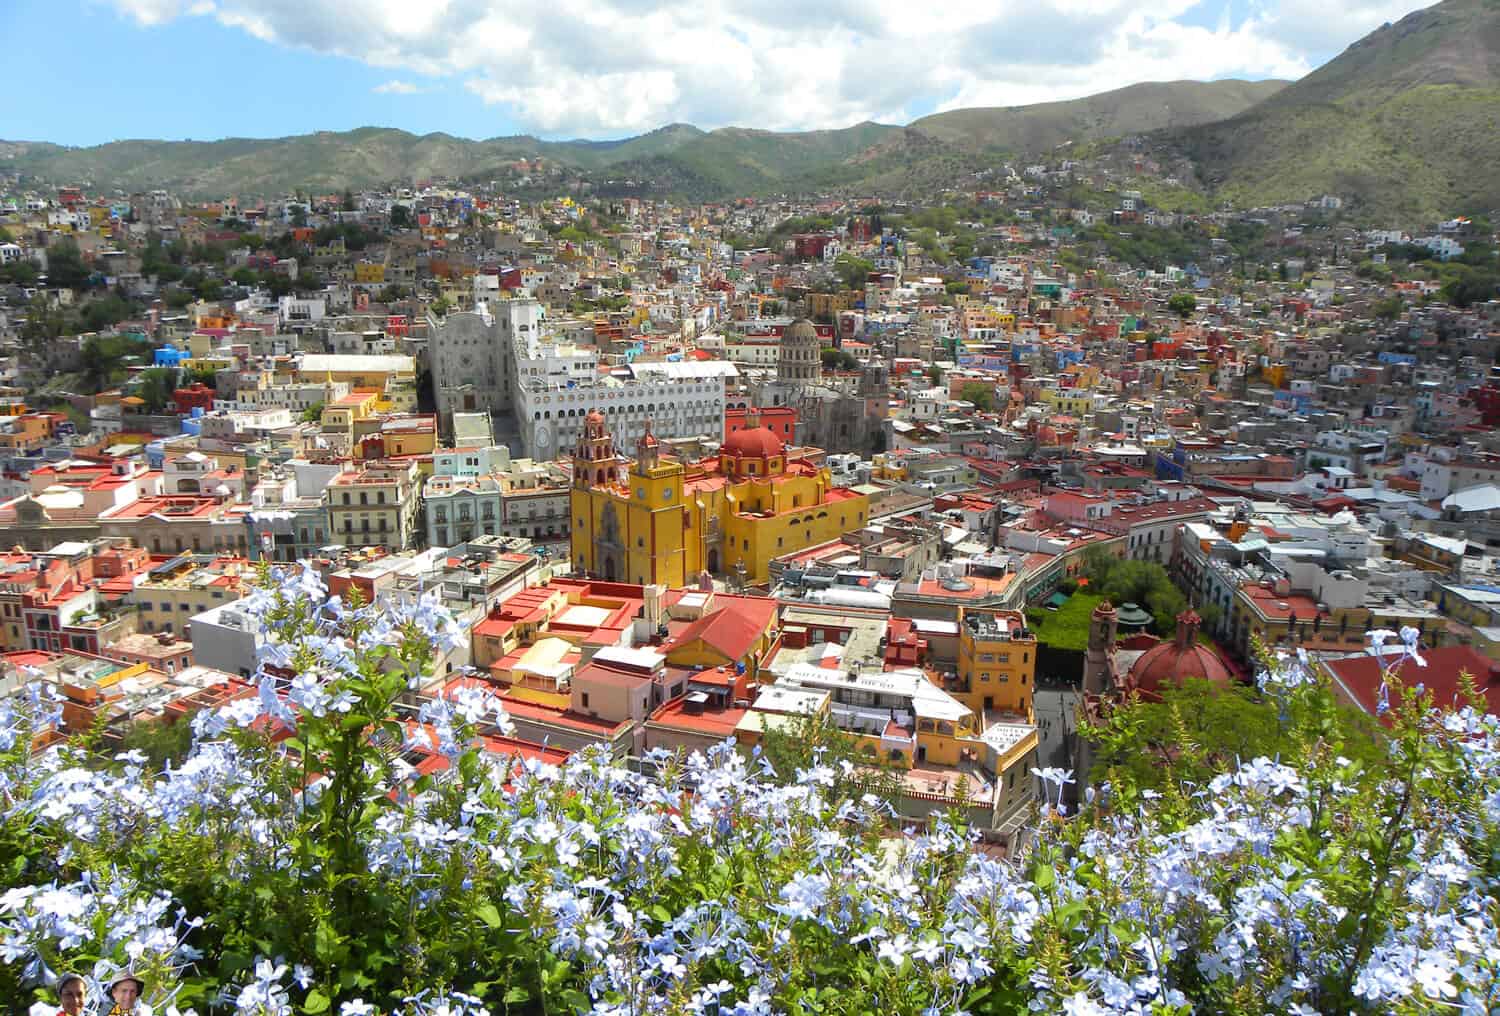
<point>799,359</point>
<point>754,443</point>
<point>1172,663</point>
<point>801,331</point>
<point>594,418</point>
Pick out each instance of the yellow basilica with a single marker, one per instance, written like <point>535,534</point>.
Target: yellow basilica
<point>657,520</point>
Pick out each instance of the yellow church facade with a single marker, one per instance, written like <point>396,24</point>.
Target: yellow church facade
<point>662,521</point>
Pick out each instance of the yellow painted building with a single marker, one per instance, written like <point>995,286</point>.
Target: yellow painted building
<point>662,521</point>
<point>996,662</point>
<point>1068,400</point>
<point>369,273</point>
<point>826,305</point>
<point>340,417</point>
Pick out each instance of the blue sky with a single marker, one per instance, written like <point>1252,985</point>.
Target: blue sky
<point>202,69</point>
<point>195,78</point>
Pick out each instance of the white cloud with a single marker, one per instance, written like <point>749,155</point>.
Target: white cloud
<point>611,67</point>
<point>395,87</point>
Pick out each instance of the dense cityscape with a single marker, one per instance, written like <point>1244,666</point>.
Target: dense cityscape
<point>536,558</point>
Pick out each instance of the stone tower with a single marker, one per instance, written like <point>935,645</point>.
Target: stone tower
<point>647,451</point>
<point>1103,625</point>
<point>595,463</point>
<point>801,357</point>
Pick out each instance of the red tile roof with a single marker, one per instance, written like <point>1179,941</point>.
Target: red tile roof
<point>1361,676</point>
<point>714,722</point>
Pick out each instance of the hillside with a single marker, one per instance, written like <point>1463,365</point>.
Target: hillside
<point>736,160</point>
<point>1132,110</point>
<point>1404,124</point>
<point>676,159</point>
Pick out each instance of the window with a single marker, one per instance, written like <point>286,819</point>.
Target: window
<point>666,494</point>
<point>585,700</point>
<point>364,497</point>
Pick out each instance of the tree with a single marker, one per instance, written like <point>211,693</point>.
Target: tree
<point>1146,583</point>
<point>102,312</point>
<point>104,359</point>
<point>348,203</point>
<point>313,413</point>
<point>45,321</point>
<point>1211,614</point>
<point>400,217</point>
<point>21,273</point>
<point>1470,286</point>
<point>65,267</point>
<point>935,374</point>
<point>804,741</point>
<point>155,387</point>
<point>979,393</point>
<point>1182,304</point>
<point>161,742</point>
<point>308,280</point>
<point>852,271</point>
<point>837,359</point>
<point>1098,563</point>
<point>1202,728</point>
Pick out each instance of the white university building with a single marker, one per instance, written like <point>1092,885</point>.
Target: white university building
<point>505,359</point>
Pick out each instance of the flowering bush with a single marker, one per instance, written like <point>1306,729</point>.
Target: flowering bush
<point>295,863</point>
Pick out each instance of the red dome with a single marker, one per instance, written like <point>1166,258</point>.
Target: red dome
<point>1172,663</point>
<point>753,443</point>
<point>594,417</point>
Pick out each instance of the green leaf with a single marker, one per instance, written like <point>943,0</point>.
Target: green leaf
<point>516,995</point>
<point>661,913</point>
<point>488,914</point>
<point>1045,877</point>
<point>316,1002</point>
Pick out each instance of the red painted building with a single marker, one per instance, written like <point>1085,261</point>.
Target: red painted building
<point>196,396</point>
<point>810,246</point>
<point>779,420</point>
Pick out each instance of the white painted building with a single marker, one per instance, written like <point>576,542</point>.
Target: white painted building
<point>304,310</point>
<point>557,386</point>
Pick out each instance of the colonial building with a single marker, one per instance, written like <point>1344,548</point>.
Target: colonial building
<point>662,520</point>
<point>375,506</point>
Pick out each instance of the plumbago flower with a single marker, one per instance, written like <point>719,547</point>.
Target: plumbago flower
<point>333,879</point>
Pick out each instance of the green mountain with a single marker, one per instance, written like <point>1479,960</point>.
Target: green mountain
<point>677,159</point>
<point>1404,124</point>
<point>1135,109</point>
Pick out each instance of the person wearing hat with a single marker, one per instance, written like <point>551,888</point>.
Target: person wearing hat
<point>124,992</point>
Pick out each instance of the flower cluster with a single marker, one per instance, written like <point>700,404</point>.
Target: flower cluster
<point>701,885</point>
